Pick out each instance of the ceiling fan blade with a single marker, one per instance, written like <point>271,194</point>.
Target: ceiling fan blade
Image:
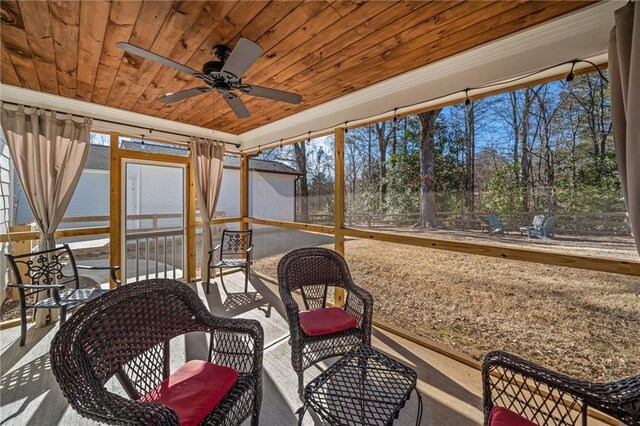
<point>241,58</point>
<point>178,96</point>
<point>237,106</point>
<point>277,95</point>
<point>138,51</point>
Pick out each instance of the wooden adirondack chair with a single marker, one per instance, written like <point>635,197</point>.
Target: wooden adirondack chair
<point>538,221</point>
<point>546,232</point>
<point>494,226</point>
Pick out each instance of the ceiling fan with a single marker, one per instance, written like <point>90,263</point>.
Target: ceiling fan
<point>224,75</point>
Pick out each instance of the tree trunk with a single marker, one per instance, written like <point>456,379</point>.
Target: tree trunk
<point>300,150</point>
<point>427,168</point>
<point>470,139</point>
<point>515,126</point>
<point>383,142</point>
<point>525,162</point>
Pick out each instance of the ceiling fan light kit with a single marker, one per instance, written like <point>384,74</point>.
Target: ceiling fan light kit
<point>223,75</point>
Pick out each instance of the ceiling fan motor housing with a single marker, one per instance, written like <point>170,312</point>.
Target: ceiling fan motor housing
<point>222,52</point>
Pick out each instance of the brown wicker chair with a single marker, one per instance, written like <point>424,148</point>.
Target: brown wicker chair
<point>235,252</point>
<point>312,271</point>
<point>45,271</point>
<point>126,334</point>
<point>546,397</point>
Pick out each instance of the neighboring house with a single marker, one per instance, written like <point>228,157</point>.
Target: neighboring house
<point>150,189</point>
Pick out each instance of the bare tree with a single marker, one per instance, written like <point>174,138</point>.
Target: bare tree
<point>300,155</point>
<point>383,143</point>
<point>470,148</point>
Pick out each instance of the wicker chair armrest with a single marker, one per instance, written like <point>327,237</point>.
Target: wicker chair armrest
<point>293,311</point>
<point>111,408</point>
<point>360,293</point>
<point>620,399</point>
<point>364,297</point>
<point>362,309</point>
<point>112,269</point>
<point>37,286</point>
<point>242,346</point>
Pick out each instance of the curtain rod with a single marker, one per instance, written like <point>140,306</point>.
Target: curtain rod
<point>237,145</point>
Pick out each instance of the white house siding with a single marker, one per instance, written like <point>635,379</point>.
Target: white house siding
<point>5,211</point>
<point>229,198</point>
<point>91,198</point>
<point>153,189</point>
<point>271,196</point>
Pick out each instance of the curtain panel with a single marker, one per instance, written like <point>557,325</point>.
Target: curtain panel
<point>49,154</point>
<point>624,73</point>
<point>207,157</point>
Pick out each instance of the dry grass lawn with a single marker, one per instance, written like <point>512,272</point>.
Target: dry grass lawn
<point>583,323</point>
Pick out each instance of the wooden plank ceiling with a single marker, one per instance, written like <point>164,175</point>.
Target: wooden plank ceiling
<point>320,49</point>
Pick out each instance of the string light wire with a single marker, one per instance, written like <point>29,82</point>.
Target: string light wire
<point>466,91</point>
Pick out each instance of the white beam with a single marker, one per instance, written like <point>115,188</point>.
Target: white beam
<point>125,119</point>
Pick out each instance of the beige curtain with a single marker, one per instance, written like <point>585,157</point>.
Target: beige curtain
<point>49,155</point>
<point>624,71</point>
<point>207,159</point>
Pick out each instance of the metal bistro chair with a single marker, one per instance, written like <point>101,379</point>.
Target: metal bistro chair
<point>235,252</point>
<point>45,270</point>
<point>319,332</point>
<point>127,334</point>
<point>517,392</point>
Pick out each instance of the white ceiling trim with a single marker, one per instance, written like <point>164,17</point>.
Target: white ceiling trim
<point>126,119</point>
<point>583,34</point>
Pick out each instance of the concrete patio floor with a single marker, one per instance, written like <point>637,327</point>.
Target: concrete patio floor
<point>451,392</point>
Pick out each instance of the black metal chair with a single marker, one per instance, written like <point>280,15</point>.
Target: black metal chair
<point>126,334</point>
<point>520,392</point>
<point>53,270</point>
<point>235,252</point>
<point>333,331</point>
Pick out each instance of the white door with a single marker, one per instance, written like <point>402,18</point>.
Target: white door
<point>154,217</point>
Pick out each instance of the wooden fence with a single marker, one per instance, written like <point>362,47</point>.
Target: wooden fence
<point>570,223</point>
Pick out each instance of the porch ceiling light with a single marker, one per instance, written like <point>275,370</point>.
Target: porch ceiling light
<point>571,76</point>
<point>467,101</point>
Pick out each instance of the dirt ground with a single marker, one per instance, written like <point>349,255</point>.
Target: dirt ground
<point>583,323</point>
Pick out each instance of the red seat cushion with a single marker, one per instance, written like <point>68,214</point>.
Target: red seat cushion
<point>502,417</point>
<point>194,390</point>
<point>326,321</point>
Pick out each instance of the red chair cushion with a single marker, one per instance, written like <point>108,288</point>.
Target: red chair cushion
<point>194,390</point>
<point>502,417</point>
<point>326,321</point>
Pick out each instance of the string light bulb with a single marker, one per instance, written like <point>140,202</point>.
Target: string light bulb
<point>346,129</point>
<point>309,137</point>
<point>467,101</point>
<point>571,76</point>
<point>395,118</point>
